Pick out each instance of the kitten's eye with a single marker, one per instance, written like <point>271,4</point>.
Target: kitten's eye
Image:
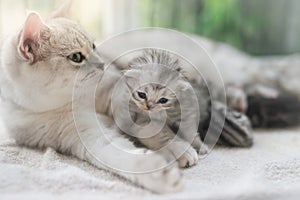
<point>142,95</point>
<point>94,46</point>
<point>76,57</point>
<point>163,100</point>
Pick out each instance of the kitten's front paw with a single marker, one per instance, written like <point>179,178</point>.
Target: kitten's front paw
<point>200,147</point>
<point>165,180</point>
<point>203,149</point>
<point>188,158</point>
<point>182,151</point>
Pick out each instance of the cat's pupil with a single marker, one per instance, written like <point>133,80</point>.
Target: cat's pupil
<point>163,100</point>
<point>94,46</point>
<point>142,95</point>
<point>76,57</point>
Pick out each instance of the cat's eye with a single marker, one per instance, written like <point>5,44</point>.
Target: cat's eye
<point>163,101</point>
<point>76,57</point>
<point>142,95</point>
<point>94,46</point>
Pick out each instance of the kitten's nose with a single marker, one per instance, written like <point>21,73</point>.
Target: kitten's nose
<point>150,105</point>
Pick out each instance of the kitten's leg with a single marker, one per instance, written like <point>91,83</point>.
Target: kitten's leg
<point>194,139</point>
<point>187,127</point>
<point>112,151</point>
<point>172,147</point>
<point>190,156</point>
<point>188,130</point>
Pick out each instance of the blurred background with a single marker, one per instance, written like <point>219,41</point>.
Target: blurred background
<point>259,27</point>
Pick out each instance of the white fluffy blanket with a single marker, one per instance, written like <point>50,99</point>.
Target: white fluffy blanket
<point>268,170</point>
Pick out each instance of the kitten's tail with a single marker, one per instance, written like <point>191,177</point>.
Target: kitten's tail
<point>280,112</point>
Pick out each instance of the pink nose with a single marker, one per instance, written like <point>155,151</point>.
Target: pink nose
<point>150,105</point>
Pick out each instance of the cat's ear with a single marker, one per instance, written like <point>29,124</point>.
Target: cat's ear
<point>131,78</point>
<point>63,11</point>
<point>30,36</point>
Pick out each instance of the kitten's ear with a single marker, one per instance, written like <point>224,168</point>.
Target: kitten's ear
<point>30,36</point>
<point>131,77</point>
<point>183,85</point>
<point>63,11</point>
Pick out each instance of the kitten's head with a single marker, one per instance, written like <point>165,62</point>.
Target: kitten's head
<point>40,62</point>
<point>155,86</point>
<point>150,96</point>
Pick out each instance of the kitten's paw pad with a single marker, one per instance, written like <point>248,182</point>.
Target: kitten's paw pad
<point>188,159</point>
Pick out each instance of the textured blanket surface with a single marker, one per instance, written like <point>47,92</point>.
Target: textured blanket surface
<point>268,170</point>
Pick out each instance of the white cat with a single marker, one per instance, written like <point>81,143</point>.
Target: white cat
<point>41,66</point>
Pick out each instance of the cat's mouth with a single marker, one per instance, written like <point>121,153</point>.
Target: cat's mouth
<point>147,108</point>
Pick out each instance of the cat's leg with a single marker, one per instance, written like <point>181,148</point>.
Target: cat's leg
<point>172,147</point>
<point>110,150</point>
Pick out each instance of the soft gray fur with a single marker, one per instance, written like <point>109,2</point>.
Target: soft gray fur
<point>233,127</point>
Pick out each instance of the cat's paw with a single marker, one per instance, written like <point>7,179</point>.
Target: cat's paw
<point>163,180</point>
<point>188,158</point>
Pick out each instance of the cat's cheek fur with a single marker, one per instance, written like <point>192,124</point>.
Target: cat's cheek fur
<point>35,86</point>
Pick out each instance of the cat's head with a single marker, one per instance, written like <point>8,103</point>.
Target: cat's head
<point>155,87</point>
<point>40,62</point>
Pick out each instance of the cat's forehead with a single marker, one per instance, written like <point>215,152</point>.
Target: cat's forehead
<point>68,35</point>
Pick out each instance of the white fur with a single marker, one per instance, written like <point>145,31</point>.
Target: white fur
<point>37,106</point>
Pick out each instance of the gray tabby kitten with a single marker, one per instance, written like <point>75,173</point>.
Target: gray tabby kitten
<point>255,86</point>
<point>41,66</point>
<point>154,86</point>
<point>236,131</point>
